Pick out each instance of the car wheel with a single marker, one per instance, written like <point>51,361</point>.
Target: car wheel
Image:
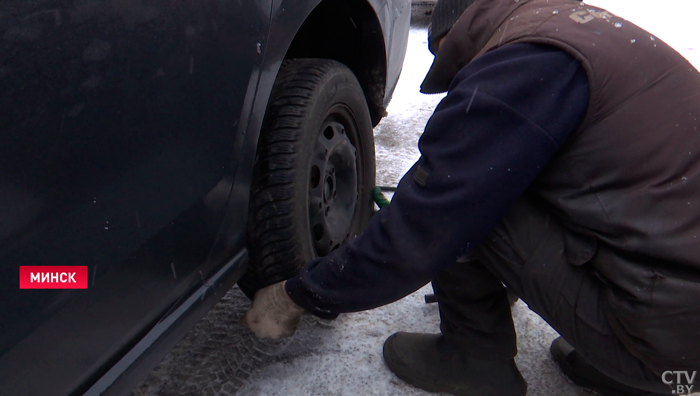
<point>314,171</point>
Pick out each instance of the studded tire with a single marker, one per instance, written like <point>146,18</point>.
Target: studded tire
<point>314,171</point>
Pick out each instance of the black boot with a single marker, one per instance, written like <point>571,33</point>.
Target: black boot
<point>588,377</point>
<point>430,362</point>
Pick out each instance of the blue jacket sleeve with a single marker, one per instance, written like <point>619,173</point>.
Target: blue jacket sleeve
<point>505,115</point>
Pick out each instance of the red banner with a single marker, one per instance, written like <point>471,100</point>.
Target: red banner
<point>48,277</point>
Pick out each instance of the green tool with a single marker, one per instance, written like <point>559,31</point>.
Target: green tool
<point>379,197</point>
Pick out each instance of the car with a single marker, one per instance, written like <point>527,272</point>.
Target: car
<point>170,149</point>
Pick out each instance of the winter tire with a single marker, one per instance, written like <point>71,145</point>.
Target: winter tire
<point>314,171</point>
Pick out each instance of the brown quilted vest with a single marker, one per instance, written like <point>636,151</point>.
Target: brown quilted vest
<point>627,182</point>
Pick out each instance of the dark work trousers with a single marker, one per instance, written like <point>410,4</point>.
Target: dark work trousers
<point>526,253</point>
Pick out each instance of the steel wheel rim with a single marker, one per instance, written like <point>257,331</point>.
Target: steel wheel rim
<point>333,181</point>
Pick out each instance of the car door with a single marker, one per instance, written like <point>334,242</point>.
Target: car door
<point>119,122</point>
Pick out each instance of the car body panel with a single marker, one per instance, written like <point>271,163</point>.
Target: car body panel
<point>395,20</point>
<point>129,130</point>
<point>118,134</point>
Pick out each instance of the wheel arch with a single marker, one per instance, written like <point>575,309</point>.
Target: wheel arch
<point>348,31</point>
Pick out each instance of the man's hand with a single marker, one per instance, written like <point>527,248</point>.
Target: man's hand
<point>273,314</point>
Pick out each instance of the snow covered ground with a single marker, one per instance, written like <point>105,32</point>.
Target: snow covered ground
<point>345,358</point>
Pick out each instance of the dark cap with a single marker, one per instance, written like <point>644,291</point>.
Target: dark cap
<point>445,14</point>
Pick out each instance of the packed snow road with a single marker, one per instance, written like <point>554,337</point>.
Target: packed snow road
<point>220,357</point>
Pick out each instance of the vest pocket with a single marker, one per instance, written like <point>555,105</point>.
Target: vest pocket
<point>579,248</point>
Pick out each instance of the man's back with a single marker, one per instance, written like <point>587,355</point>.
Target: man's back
<point>626,183</point>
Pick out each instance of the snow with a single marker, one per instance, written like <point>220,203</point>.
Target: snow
<point>673,21</point>
<point>397,135</point>
<point>345,358</point>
